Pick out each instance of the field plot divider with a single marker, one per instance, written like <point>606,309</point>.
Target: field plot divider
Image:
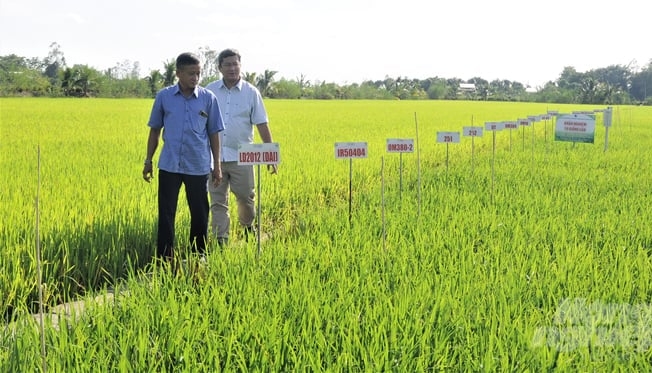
<point>493,166</point>
<point>258,234</point>
<point>606,121</point>
<point>472,149</point>
<point>416,125</point>
<point>350,190</point>
<point>39,267</point>
<point>382,200</point>
<point>400,176</point>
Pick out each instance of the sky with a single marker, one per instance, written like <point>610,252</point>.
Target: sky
<point>341,41</point>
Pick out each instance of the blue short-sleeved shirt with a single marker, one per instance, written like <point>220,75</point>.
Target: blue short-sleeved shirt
<point>186,122</point>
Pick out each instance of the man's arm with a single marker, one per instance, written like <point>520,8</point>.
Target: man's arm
<point>216,175</point>
<point>264,132</point>
<point>152,144</point>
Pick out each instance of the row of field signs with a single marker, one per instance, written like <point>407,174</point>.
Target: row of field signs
<point>269,153</point>
<point>575,127</point>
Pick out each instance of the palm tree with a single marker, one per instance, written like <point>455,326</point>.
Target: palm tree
<point>303,83</point>
<point>80,81</point>
<point>170,68</point>
<point>264,82</point>
<point>588,90</point>
<point>155,81</point>
<point>250,77</point>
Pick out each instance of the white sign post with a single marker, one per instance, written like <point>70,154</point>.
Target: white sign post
<point>350,150</point>
<point>511,125</point>
<point>545,118</point>
<point>533,119</point>
<point>257,154</point>
<point>473,132</point>
<point>494,127</point>
<point>448,138</point>
<point>606,118</point>
<point>553,117</point>
<point>523,122</point>
<point>400,146</point>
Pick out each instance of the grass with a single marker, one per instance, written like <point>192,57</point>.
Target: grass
<point>467,279</point>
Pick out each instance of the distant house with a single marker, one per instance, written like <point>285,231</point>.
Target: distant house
<point>466,88</point>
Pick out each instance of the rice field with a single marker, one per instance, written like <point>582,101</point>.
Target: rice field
<point>529,255</point>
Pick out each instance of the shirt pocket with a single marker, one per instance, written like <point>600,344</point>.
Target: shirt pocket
<point>242,113</point>
<point>199,124</point>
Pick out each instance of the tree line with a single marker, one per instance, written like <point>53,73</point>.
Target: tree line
<point>52,77</point>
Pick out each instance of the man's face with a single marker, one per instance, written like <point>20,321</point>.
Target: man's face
<point>189,76</point>
<point>230,69</point>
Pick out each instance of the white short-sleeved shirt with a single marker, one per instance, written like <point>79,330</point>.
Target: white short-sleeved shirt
<point>242,108</point>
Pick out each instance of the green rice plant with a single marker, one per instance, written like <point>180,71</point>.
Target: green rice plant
<point>474,279</point>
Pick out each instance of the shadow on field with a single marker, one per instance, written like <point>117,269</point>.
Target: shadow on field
<point>75,261</point>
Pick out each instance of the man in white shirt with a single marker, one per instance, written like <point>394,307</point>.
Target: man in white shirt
<point>242,109</point>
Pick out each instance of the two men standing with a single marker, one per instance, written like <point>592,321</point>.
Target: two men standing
<point>201,130</point>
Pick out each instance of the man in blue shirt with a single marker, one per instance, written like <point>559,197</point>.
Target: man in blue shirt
<point>190,119</point>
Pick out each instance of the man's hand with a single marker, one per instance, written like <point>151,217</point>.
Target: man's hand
<point>148,174</point>
<point>216,176</point>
